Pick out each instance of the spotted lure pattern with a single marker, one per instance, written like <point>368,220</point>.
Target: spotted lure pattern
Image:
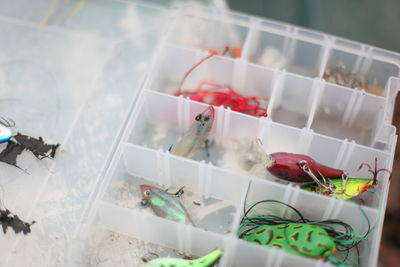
<point>295,238</point>
<point>205,261</point>
<point>164,204</point>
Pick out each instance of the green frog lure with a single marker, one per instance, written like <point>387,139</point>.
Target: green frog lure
<point>205,261</point>
<point>314,239</point>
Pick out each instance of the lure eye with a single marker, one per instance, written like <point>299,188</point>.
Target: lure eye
<point>198,117</point>
<point>147,193</point>
<point>206,118</point>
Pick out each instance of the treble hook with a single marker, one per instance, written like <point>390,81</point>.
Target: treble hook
<point>376,171</point>
<point>304,166</point>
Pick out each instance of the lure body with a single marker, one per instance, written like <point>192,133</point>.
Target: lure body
<point>204,261</point>
<point>352,187</point>
<point>198,133</point>
<point>286,166</point>
<point>164,204</point>
<point>5,134</point>
<point>296,238</point>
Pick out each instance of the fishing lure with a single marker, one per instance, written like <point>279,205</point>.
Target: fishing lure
<point>315,239</point>
<point>196,136</point>
<point>345,187</point>
<point>164,204</point>
<point>205,261</point>
<point>299,168</point>
<point>286,166</point>
<point>295,238</point>
<point>5,132</point>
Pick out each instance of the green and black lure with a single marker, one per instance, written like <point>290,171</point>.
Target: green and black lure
<point>205,261</point>
<point>314,239</point>
<point>295,238</point>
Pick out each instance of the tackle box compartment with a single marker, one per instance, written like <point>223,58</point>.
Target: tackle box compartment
<point>87,202</point>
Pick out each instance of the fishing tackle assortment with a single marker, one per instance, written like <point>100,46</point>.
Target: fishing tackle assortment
<point>303,169</point>
<point>164,204</point>
<point>205,261</point>
<point>300,236</point>
<point>223,95</point>
<point>196,136</point>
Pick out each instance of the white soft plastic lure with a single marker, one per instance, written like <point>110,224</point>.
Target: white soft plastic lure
<point>5,131</point>
<point>188,145</point>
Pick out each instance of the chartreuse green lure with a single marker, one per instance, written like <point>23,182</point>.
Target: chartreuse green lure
<point>295,238</point>
<point>343,189</point>
<point>204,261</point>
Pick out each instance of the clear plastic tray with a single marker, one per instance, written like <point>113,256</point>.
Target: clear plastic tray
<point>72,84</point>
<point>88,206</point>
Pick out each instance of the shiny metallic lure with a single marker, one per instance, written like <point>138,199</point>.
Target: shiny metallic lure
<point>196,136</point>
<point>164,204</point>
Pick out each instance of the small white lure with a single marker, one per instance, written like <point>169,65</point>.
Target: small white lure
<point>5,131</point>
<point>195,137</point>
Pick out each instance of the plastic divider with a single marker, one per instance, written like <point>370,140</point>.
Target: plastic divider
<point>310,105</point>
<point>294,48</point>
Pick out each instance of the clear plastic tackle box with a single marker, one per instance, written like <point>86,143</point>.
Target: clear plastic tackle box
<point>99,77</point>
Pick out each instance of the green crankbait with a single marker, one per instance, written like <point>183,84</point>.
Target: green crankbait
<point>164,204</point>
<point>342,188</point>
<point>345,187</point>
<point>204,261</point>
